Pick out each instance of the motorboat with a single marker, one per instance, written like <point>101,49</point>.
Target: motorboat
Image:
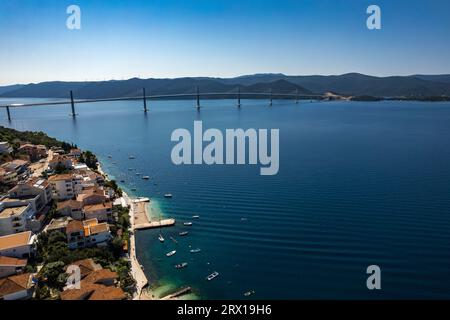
<point>197,250</point>
<point>181,265</point>
<point>196,217</point>
<point>183,233</point>
<point>161,238</point>
<point>212,276</point>
<point>187,224</point>
<point>168,195</point>
<point>171,253</point>
<point>145,177</point>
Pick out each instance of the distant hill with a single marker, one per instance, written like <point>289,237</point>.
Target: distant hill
<point>354,84</point>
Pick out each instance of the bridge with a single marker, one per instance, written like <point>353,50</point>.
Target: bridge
<point>238,95</point>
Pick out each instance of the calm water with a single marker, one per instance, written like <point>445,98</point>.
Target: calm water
<point>359,184</point>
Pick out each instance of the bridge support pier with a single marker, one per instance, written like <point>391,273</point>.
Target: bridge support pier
<point>296,97</point>
<point>198,98</point>
<point>144,97</point>
<point>72,104</point>
<point>8,113</point>
<point>271,97</point>
<point>239,97</point>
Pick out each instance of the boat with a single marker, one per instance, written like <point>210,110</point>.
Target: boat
<point>197,250</point>
<point>212,276</point>
<point>161,238</point>
<point>138,173</point>
<point>168,195</point>
<point>145,177</point>
<point>122,181</point>
<point>183,233</point>
<point>249,293</point>
<point>133,189</point>
<point>187,224</point>
<point>181,265</point>
<point>131,157</point>
<point>171,253</point>
<point>196,217</point>
<point>110,156</point>
<point>131,169</point>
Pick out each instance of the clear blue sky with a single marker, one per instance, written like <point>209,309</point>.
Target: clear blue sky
<point>173,38</point>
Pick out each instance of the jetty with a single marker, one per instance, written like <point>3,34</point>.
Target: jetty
<point>155,224</point>
<point>177,294</point>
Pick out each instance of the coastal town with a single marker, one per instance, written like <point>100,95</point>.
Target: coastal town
<point>60,213</point>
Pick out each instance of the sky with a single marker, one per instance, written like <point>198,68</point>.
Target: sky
<point>219,38</point>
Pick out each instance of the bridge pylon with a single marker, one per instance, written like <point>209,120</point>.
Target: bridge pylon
<point>296,96</point>
<point>144,98</point>
<point>239,97</point>
<point>271,97</point>
<point>8,113</point>
<point>198,98</point>
<point>72,104</point>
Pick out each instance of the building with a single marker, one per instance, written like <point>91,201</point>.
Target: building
<point>60,161</point>
<point>14,216</point>
<point>76,153</point>
<point>5,148</point>
<point>35,152</point>
<point>59,224</point>
<point>18,245</point>
<point>88,233</point>
<point>96,284</point>
<point>101,212</point>
<point>64,186</point>
<point>92,196</point>
<point>86,266</point>
<point>18,287</point>
<point>36,191</point>
<point>17,165</point>
<point>8,177</point>
<point>11,266</point>
<point>71,208</point>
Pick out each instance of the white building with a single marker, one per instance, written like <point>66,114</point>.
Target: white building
<point>18,287</point>
<point>18,245</point>
<point>5,148</point>
<point>64,186</point>
<point>14,216</point>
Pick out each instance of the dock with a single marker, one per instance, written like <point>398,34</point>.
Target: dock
<point>177,294</point>
<point>155,224</point>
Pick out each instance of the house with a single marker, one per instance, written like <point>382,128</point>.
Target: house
<point>17,165</point>
<point>92,196</point>
<point>75,152</point>
<point>64,186</point>
<point>11,266</point>
<point>17,287</point>
<point>60,161</point>
<point>86,266</point>
<point>97,284</point>
<point>59,224</point>
<point>14,216</point>
<point>101,212</point>
<point>71,208</point>
<point>35,152</point>
<point>8,177</point>
<point>5,148</point>
<point>87,233</point>
<point>18,245</point>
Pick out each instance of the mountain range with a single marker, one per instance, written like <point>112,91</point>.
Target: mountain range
<point>350,84</point>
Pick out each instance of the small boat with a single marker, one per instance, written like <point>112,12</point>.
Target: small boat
<point>197,250</point>
<point>131,157</point>
<point>130,169</point>
<point>122,181</point>
<point>168,195</point>
<point>183,233</point>
<point>145,177</point>
<point>187,224</point>
<point>196,217</point>
<point>161,238</point>
<point>109,156</point>
<point>138,173</point>
<point>171,253</point>
<point>249,293</point>
<point>212,276</point>
<point>181,265</point>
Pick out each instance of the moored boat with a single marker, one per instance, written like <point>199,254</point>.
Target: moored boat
<point>187,224</point>
<point>212,276</point>
<point>196,250</point>
<point>181,265</point>
<point>145,177</point>
<point>183,233</point>
<point>161,238</point>
<point>168,195</point>
<point>171,253</point>
<point>195,217</point>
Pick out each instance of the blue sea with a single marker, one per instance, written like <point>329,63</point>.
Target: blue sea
<point>359,184</point>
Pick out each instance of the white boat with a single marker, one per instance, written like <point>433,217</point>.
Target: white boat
<point>131,157</point>
<point>146,177</point>
<point>196,217</point>
<point>181,265</point>
<point>168,195</point>
<point>171,253</point>
<point>138,173</point>
<point>187,224</point>
<point>161,238</point>
<point>249,293</point>
<point>212,276</point>
<point>197,250</point>
<point>183,233</point>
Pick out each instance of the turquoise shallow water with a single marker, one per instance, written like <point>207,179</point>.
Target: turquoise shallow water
<point>359,184</point>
